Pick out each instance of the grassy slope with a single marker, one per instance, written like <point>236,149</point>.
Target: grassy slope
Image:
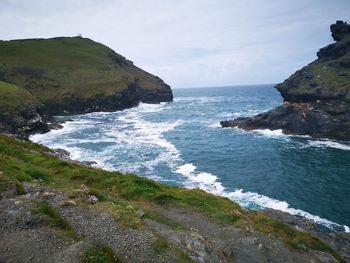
<point>57,69</point>
<point>15,99</point>
<point>26,161</point>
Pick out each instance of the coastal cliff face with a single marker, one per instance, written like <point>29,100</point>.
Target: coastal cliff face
<point>72,75</point>
<point>316,97</point>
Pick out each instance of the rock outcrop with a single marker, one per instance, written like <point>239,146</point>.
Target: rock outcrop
<point>69,75</point>
<point>316,98</point>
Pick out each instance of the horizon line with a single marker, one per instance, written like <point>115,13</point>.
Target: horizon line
<point>225,86</point>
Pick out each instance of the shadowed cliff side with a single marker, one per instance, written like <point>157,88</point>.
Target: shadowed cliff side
<point>316,97</point>
<point>72,75</point>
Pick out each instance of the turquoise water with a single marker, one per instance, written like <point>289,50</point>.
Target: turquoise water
<point>182,143</point>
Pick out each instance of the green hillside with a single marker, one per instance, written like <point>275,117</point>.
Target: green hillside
<point>67,75</point>
<point>63,71</point>
<point>16,99</point>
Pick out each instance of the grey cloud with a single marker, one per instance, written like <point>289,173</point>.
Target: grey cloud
<point>189,43</point>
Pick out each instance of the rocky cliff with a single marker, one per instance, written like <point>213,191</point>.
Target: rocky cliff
<point>316,97</point>
<point>69,75</point>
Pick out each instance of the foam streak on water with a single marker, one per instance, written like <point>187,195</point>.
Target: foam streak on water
<point>137,140</point>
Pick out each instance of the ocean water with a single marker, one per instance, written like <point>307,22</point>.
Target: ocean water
<point>182,143</point>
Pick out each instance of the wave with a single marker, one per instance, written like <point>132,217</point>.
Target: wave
<point>269,133</point>
<point>209,183</point>
<point>200,99</point>
<point>257,201</point>
<point>324,143</point>
<point>330,144</point>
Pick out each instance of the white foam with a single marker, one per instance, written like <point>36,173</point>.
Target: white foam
<point>150,108</point>
<point>310,143</point>
<point>202,180</point>
<point>230,114</point>
<point>199,99</point>
<point>186,169</point>
<point>331,144</point>
<point>347,229</point>
<point>212,124</point>
<point>269,133</point>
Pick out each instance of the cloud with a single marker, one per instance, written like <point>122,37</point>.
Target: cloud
<point>189,43</point>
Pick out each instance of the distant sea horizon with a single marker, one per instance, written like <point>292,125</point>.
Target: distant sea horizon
<point>224,86</point>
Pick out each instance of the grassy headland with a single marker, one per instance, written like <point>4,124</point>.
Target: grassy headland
<point>68,75</point>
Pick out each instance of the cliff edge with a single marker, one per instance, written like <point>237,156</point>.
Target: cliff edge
<point>316,97</point>
<point>68,75</point>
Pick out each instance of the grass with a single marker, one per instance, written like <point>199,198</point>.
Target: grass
<point>165,221</point>
<point>20,188</point>
<point>15,99</point>
<point>58,71</point>
<point>123,213</point>
<point>100,254</point>
<point>5,182</point>
<point>53,218</point>
<point>118,191</point>
<point>160,245</point>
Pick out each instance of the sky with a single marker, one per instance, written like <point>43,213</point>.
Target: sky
<point>189,43</point>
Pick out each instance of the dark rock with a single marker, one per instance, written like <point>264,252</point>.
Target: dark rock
<point>128,98</point>
<point>89,163</point>
<point>62,154</point>
<point>321,121</point>
<point>339,30</point>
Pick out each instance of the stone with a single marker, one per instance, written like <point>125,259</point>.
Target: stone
<point>62,154</point>
<point>198,247</point>
<point>47,195</point>
<point>69,203</point>
<point>140,213</point>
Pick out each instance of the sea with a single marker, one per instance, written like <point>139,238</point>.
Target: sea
<point>181,143</point>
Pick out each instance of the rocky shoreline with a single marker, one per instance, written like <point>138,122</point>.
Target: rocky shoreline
<point>316,98</point>
<point>31,121</point>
